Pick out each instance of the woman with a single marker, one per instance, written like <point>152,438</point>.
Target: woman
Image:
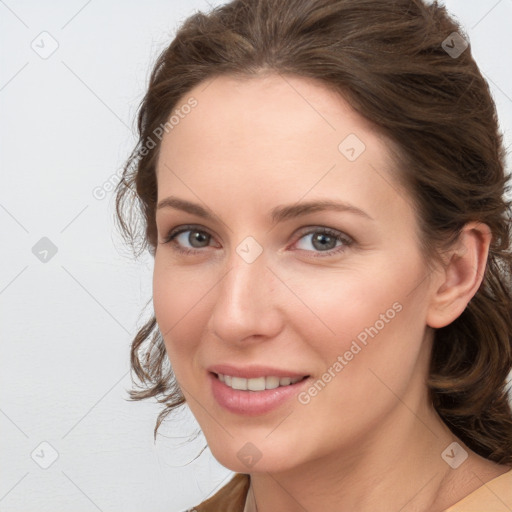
<point>322,187</point>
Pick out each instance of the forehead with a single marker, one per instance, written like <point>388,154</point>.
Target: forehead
<point>275,137</point>
<point>275,112</point>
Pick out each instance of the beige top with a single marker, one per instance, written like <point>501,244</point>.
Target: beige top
<point>493,496</point>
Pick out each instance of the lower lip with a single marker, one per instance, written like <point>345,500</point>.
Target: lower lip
<point>252,403</point>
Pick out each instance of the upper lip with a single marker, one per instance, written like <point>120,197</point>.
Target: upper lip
<point>252,371</point>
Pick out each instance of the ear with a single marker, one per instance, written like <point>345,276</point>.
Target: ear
<point>460,278</point>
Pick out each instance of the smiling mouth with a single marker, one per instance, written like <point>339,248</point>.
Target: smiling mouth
<point>258,383</point>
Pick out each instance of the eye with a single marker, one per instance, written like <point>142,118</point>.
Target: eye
<point>324,240</point>
<point>188,239</point>
<point>320,240</point>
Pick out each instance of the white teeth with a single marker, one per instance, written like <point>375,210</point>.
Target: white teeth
<point>239,383</point>
<point>257,384</point>
<point>272,382</point>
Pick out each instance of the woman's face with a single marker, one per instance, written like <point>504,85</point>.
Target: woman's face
<point>292,255</point>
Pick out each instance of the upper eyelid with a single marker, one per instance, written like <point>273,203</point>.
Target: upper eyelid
<point>187,227</point>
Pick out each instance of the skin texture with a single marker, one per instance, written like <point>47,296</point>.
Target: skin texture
<point>370,438</point>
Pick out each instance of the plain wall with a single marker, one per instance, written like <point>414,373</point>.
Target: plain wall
<point>67,124</point>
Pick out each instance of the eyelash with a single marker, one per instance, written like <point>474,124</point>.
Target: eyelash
<point>338,235</point>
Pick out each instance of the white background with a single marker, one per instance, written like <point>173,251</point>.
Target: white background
<point>67,124</point>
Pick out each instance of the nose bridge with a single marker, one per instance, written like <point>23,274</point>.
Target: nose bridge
<point>241,282</point>
<point>244,302</point>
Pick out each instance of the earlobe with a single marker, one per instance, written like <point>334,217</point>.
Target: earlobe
<point>461,276</point>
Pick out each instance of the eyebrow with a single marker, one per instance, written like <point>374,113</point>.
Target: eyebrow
<point>277,214</point>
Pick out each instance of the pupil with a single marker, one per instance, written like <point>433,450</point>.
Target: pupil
<point>196,238</point>
<point>324,241</point>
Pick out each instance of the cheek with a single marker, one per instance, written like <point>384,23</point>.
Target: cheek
<point>343,303</point>
<point>370,318</point>
<point>378,320</point>
<point>179,300</point>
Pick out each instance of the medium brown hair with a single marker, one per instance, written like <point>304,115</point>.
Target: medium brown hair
<point>387,59</point>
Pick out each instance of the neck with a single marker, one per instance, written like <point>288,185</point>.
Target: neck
<point>398,468</point>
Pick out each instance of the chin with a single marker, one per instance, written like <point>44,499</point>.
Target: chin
<point>247,457</point>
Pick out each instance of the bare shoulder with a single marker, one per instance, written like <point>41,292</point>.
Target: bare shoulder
<point>472,474</point>
<point>485,470</point>
<point>475,472</point>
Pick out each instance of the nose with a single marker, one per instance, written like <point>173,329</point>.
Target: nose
<point>247,306</point>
